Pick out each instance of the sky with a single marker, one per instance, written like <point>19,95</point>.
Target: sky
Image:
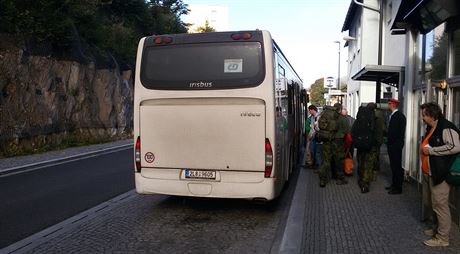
<point>304,29</point>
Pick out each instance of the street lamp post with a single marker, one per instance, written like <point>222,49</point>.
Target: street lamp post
<point>338,71</point>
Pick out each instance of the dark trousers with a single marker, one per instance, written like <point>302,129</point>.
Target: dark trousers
<point>395,155</point>
<point>313,152</point>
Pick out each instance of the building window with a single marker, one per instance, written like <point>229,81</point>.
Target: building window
<point>436,54</point>
<point>418,47</point>
<point>456,54</point>
<point>281,71</point>
<point>456,106</point>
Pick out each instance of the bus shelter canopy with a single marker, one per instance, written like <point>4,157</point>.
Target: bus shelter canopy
<point>391,75</point>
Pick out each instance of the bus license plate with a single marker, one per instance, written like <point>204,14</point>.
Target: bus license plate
<point>200,174</point>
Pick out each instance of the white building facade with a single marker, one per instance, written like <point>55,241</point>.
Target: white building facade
<point>420,63</point>
<point>362,25</point>
<point>215,15</point>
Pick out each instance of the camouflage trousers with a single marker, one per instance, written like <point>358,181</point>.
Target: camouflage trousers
<point>368,162</point>
<point>332,151</point>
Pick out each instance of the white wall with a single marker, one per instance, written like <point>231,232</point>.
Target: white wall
<point>370,35</point>
<point>394,51</point>
<point>364,51</point>
<point>217,16</point>
<point>361,52</point>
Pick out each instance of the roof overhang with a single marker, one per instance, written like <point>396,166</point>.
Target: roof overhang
<point>391,75</point>
<point>350,15</point>
<point>424,15</point>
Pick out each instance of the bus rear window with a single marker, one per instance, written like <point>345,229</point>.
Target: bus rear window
<point>203,66</point>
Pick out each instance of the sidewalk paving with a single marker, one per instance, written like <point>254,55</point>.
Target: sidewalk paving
<point>340,219</point>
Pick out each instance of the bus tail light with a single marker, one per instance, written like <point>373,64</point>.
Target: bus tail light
<point>137,154</point>
<point>268,158</point>
<point>245,36</point>
<point>167,40</point>
<point>162,40</point>
<point>236,36</point>
<point>157,40</point>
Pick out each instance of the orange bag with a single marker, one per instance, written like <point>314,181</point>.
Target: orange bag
<point>348,164</point>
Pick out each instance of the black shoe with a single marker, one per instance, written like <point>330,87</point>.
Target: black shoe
<point>341,181</point>
<point>394,192</point>
<point>365,189</point>
<point>322,184</point>
<point>316,171</point>
<point>389,187</point>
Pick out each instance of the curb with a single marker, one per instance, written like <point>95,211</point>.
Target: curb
<point>293,232</point>
<point>41,164</point>
<point>51,232</point>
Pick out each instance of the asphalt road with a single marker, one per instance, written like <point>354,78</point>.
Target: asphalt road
<point>33,201</point>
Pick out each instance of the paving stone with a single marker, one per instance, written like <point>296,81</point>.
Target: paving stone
<point>162,224</point>
<point>340,219</point>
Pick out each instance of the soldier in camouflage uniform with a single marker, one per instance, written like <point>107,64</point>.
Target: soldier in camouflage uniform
<point>368,161</point>
<point>333,150</point>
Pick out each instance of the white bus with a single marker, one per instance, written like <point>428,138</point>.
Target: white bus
<point>215,115</point>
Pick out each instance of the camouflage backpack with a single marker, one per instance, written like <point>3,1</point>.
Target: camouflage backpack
<point>328,123</point>
<point>363,130</point>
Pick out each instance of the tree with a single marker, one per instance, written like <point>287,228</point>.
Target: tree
<point>206,28</point>
<point>105,28</point>
<point>164,17</point>
<point>438,60</point>
<point>317,92</point>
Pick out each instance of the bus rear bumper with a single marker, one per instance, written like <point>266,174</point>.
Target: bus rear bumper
<point>240,185</point>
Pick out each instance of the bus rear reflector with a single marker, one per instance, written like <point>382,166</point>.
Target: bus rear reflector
<point>268,158</point>
<point>137,154</point>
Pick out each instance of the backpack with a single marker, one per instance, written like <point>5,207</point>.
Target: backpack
<point>362,132</point>
<point>453,178</point>
<point>307,126</point>
<point>328,123</point>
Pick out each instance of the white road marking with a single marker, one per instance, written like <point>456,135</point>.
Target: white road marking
<point>53,162</point>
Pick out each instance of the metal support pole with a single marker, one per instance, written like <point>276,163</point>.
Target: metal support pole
<point>378,88</point>
<point>366,6</point>
<point>338,70</point>
<point>338,75</point>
